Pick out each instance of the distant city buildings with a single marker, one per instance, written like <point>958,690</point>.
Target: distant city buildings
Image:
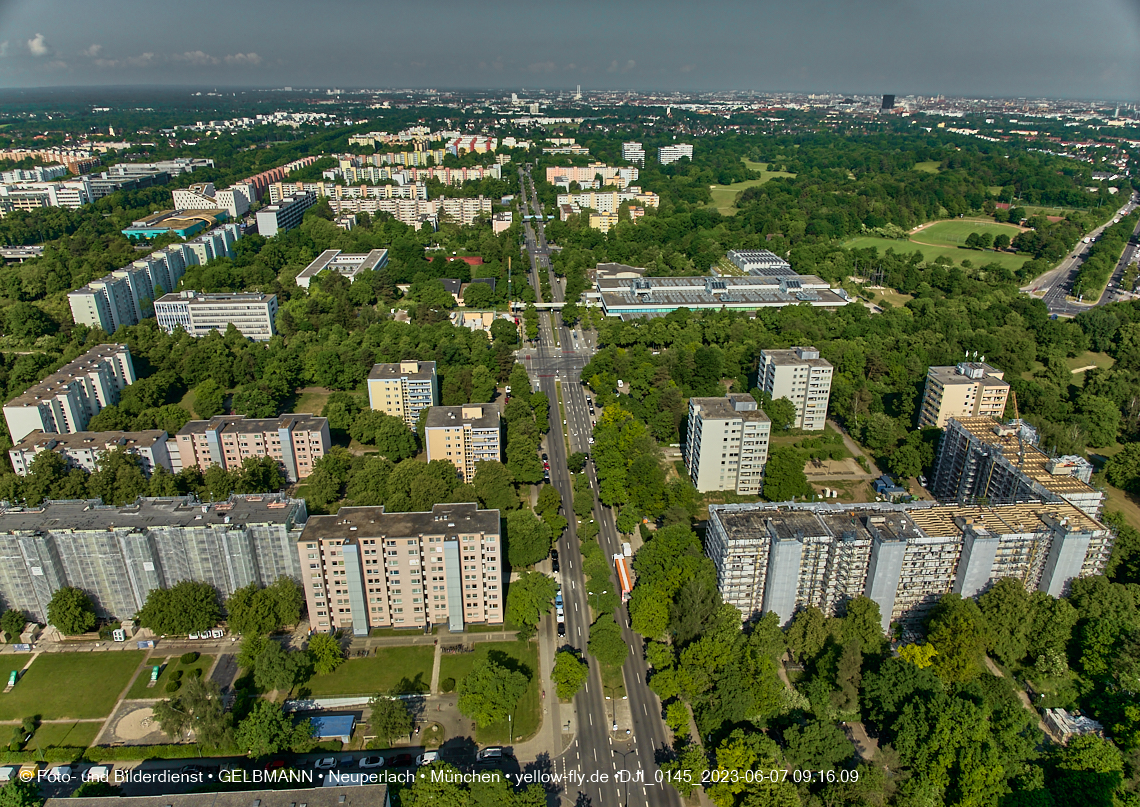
<point>72,193</point>
<point>295,441</point>
<point>472,144</point>
<point>604,201</point>
<point>65,401</point>
<point>343,263</point>
<point>363,568</point>
<point>125,297</point>
<point>86,449</point>
<point>969,389</point>
<point>416,212</point>
<point>332,190</point>
<point>801,376</point>
<point>403,389</point>
<point>463,435</point>
<point>38,173</point>
<point>633,152</point>
<point>198,313</point>
<point>727,444</point>
<point>501,222</point>
<point>77,161</point>
<point>670,154</point>
<point>780,558</point>
<point>284,214</point>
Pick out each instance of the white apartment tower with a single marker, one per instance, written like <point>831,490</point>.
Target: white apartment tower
<point>801,376</point>
<point>727,443</point>
<point>633,152</point>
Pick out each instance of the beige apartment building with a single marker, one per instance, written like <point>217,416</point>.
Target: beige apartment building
<point>969,389</point>
<point>295,441</point>
<point>403,389</point>
<point>727,444</point>
<point>363,568</point>
<point>801,376</point>
<point>464,436</point>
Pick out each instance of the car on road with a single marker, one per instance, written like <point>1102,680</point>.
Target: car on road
<point>427,758</point>
<point>490,752</point>
<point>558,599</point>
<point>60,773</point>
<point>371,762</point>
<point>554,565</point>
<point>591,439</point>
<point>545,458</point>
<point>561,629</point>
<point>400,760</point>
<point>554,554</point>
<point>325,763</point>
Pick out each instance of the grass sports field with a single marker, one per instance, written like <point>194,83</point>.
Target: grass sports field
<point>70,685</point>
<point>929,166</point>
<point>929,253</point>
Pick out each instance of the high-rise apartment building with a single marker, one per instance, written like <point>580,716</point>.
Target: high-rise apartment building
<point>198,313</point>
<point>285,214</point>
<point>801,376</point>
<point>118,555</point>
<point>65,401</point>
<point>633,153</point>
<point>784,557</point>
<point>983,458</point>
<point>85,449</point>
<point>126,296</point>
<point>463,435</point>
<point>727,443</point>
<point>670,154</point>
<point>969,389</point>
<point>295,441</point>
<point>363,568</point>
<point>403,389</point>
<point>203,196</point>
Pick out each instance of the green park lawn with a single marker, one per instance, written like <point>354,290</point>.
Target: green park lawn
<point>311,400</point>
<point>954,232</point>
<point>528,713</point>
<point>724,196</point>
<point>929,166</point>
<point>405,669</point>
<point>929,253</point>
<point>69,685</point>
<point>140,690</point>
<point>65,735</point>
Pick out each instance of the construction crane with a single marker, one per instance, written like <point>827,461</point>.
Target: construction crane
<point>1020,438</point>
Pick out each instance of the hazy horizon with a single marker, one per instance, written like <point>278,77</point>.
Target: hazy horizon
<point>1018,49</point>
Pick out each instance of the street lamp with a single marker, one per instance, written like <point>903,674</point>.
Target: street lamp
<point>624,754</point>
<point>596,594</point>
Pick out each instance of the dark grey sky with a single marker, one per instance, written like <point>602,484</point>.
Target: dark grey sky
<point>1057,48</point>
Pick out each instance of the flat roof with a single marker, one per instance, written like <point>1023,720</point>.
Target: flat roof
<point>179,511</point>
<point>909,521</point>
<point>345,262</point>
<point>441,416</point>
<point>236,424</point>
<point>751,291</point>
<point>110,439</point>
<point>791,356</point>
<point>722,409</point>
<point>424,370</point>
<point>214,297</point>
<point>58,381</point>
<point>359,522</point>
<point>1026,457</point>
<point>950,375</point>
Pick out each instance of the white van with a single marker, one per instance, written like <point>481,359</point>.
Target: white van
<point>7,773</point>
<point>492,752</point>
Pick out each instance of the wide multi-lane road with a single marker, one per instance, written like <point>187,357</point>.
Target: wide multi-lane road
<point>556,361</point>
<point>1059,282</point>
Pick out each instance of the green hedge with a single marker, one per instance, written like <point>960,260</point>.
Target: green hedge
<point>60,754</point>
<point>103,753</point>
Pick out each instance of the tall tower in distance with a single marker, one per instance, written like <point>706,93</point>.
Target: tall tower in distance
<point>578,93</point>
<point>888,102</point>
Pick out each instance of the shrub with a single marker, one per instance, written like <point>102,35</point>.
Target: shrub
<point>447,685</point>
<point>176,675</point>
<point>189,658</point>
<point>173,686</point>
<point>196,672</point>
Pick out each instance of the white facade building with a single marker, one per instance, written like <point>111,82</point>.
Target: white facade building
<point>670,154</point>
<point>801,376</point>
<point>198,313</point>
<point>727,444</point>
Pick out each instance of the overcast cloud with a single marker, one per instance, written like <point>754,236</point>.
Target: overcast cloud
<point>1085,49</point>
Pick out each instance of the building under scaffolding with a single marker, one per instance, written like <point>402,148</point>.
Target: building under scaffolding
<point>981,459</point>
<point>784,557</point>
